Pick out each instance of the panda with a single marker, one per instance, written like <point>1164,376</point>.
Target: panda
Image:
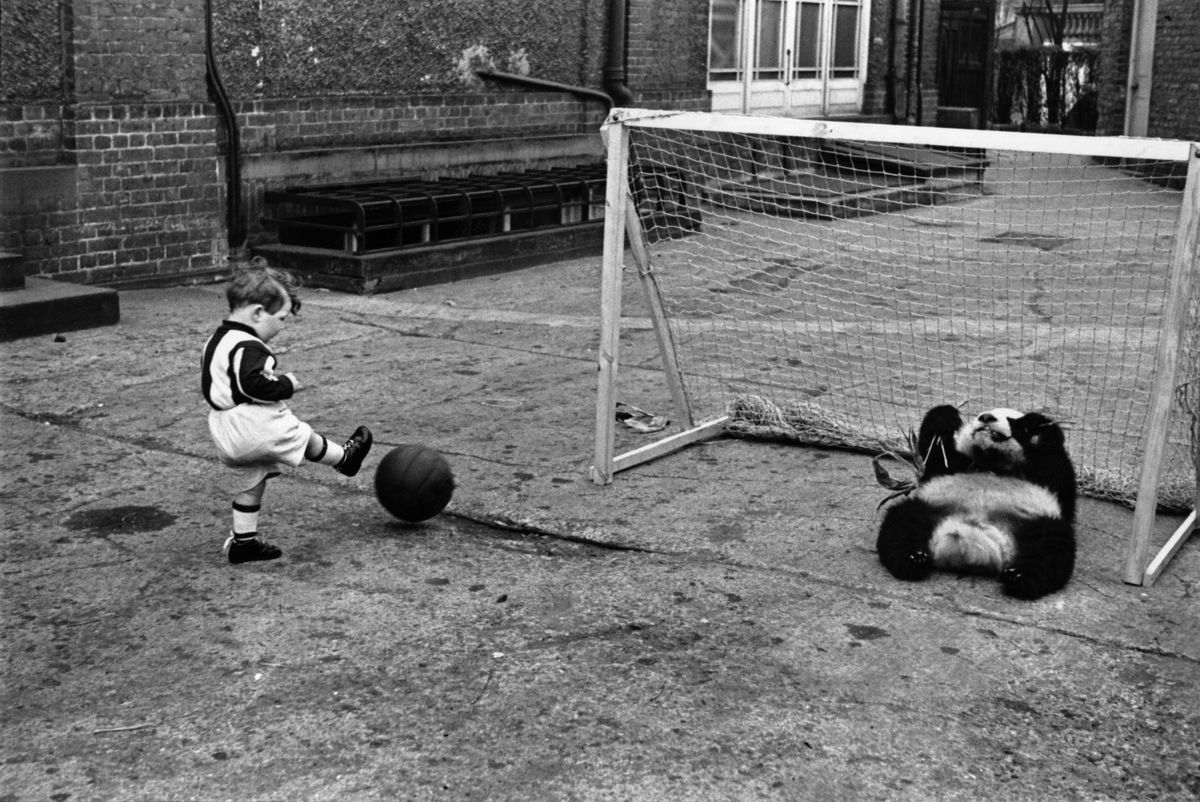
<point>997,496</point>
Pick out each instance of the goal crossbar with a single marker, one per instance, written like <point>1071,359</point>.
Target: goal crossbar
<point>783,309</point>
<point>1115,147</point>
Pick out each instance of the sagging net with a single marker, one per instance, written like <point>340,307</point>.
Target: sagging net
<point>829,292</point>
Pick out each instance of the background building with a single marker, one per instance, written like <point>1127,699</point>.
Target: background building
<point>138,137</point>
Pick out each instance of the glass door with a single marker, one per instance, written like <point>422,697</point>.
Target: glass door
<point>787,57</point>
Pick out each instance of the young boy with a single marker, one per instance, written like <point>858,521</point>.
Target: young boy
<point>254,431</point>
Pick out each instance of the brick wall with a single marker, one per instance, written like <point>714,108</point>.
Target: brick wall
<point>927,90</point>
<point>407,101</point>
<point>138,200</point>
<point>1113,68</point>
<point>139,50</point>
<point>1175,95</point>
<point>1175,91</point>
<point>289,124</point>
<point>116,180</point>
<point>335,140</point>
<point>112,156</point>
<point>148,193</point>
<point>876,89</point>
<point>901,80</point>
<point>667,52</point>
<point>35,135</point>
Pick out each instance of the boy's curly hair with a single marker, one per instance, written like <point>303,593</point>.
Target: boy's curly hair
<point>259,283</point>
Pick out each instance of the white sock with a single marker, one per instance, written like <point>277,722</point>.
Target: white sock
<point>245,519</point>
<point>330,455</point>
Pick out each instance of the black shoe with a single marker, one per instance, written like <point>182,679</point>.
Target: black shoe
<point>356,449</point>
<point>245,550</point>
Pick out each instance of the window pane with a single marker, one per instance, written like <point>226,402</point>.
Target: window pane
<point>770,40</point>
<point>808,41</point>
<point>845,41</point>
<point>725,41</point>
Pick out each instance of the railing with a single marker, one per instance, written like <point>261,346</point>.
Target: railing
<point>377,216</point>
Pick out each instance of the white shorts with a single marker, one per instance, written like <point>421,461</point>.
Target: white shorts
<point>257,441</point>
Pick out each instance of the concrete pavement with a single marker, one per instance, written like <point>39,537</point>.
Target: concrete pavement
<point>714,625</point>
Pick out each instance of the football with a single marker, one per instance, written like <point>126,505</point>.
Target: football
<point>414,482</point>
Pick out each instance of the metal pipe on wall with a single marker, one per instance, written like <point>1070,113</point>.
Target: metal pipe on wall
<point>234,219</point>
<point>614,69</point>
<point>581,92</point>
<point>910,58</point>
<point>1141,67</point>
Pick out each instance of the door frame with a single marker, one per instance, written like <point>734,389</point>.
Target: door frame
<point>832,95</point>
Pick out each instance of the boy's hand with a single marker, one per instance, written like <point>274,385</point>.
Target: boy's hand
<point>296,385</point>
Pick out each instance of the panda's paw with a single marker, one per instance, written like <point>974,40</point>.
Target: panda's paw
<point>943,420</point>
<point>912,565</point>
<point>1022,584</point>
<point>936,441</point>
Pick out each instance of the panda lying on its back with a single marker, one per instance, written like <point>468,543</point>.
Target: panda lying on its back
<point>997,496</point>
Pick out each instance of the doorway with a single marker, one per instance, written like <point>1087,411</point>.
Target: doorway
<point>965,45</point>
<point>794,58</point>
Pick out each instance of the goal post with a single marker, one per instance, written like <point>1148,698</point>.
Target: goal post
<point>1172,388</point>
<point>824,282</point>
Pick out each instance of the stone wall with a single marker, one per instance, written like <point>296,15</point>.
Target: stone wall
<point>32,62</point>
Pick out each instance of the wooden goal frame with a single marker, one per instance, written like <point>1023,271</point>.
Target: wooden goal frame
<point>622,227</point>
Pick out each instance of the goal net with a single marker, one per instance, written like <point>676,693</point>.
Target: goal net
<point>826,283</point>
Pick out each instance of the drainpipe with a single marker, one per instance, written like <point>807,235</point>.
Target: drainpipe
<point>614,69</point>
<point>1141,67</point>
<point>896,61</point>
<point>234,222</point>
<point>582,92</point>
<point>910,62</point>
<point>920,23</point>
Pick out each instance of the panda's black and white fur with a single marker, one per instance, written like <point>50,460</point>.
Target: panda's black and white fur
<point>997,496</point>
